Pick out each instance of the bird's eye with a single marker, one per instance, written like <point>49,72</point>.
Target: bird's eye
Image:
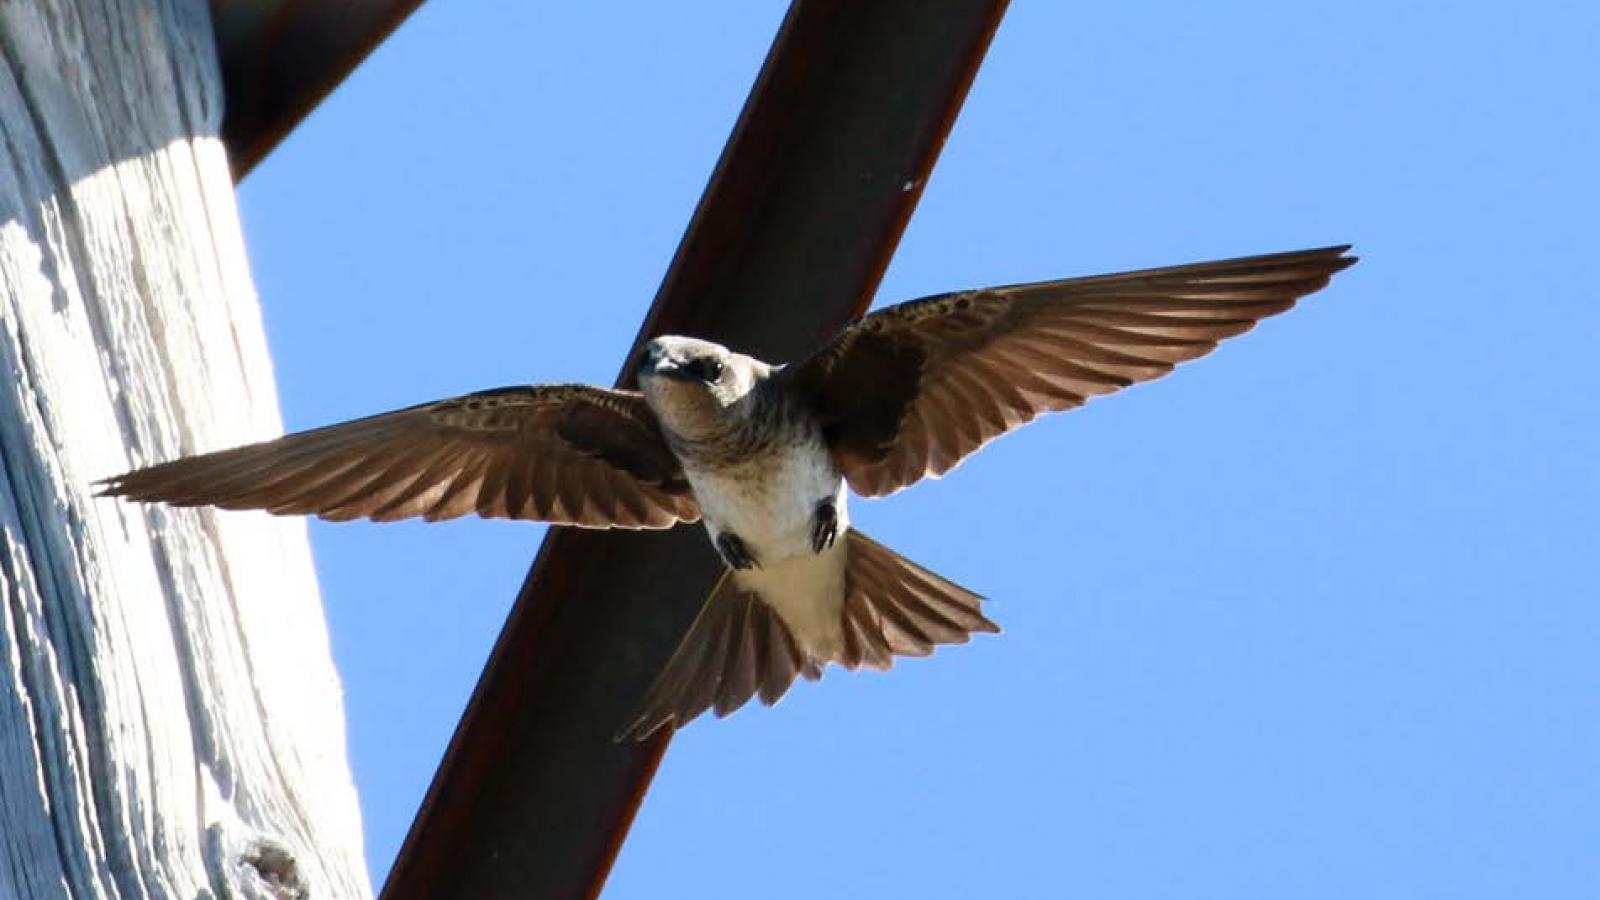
<point>706,369</point>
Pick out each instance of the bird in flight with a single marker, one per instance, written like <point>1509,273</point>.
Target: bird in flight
<point>762,455</point>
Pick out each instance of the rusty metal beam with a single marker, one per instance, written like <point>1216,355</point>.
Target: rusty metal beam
<point>280,58</point>
<point>793,233</point>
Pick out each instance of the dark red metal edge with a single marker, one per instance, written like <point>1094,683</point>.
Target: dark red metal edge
<point>662,313</point>
<point>280,58</point>
<point>482,830</point>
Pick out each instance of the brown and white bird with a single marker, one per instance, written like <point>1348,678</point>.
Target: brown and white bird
<point>762,455</point>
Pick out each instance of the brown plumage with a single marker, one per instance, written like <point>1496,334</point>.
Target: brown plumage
<point>738,647</point>
<point>567,454</point>
<point>760,455</point>
<point>949,373</point>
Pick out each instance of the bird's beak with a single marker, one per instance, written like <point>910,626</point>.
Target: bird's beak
<point>656,363</point>
<point>666,368</point>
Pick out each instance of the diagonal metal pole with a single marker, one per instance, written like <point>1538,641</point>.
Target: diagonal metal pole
<point>280,58</point>
<point>806,205</point>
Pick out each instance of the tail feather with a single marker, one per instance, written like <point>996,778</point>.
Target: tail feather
<point>739,646</point>
<point>894,607</point>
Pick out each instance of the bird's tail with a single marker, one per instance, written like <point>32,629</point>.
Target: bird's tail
<point>739,647</point>
<point>894,607</point>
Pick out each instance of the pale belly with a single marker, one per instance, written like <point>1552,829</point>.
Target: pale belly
<point>770,501</point>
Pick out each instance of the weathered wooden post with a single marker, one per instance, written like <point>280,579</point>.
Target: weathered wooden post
<point>170,719</point>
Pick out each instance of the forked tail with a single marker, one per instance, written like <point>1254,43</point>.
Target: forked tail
<point>739,647</point>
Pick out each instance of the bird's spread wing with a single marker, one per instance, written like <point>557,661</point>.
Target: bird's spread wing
<point>568,454</point>
<point>910,390</point>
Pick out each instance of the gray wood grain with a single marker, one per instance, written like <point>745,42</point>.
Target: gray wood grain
<point>170,718</point>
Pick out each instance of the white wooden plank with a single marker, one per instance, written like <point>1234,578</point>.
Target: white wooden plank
<point>170,718</point>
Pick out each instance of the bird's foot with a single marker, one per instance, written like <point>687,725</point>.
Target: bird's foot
<point>824,526</point>
<point>734,552</point>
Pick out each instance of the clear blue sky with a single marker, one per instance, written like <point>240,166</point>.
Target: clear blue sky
<point>1315,617</point>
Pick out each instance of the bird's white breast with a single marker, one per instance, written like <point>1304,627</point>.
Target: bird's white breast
<point>769,499</point>
<point>770,502</point>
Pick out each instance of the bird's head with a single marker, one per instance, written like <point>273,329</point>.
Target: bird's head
<point>695,385</point>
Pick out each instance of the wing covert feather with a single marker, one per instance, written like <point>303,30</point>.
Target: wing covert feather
<point>567,454</point>
<point>911,390</point>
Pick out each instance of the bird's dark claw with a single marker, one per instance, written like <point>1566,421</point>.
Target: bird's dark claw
<point>734,552</point>
<point>824,526</point>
